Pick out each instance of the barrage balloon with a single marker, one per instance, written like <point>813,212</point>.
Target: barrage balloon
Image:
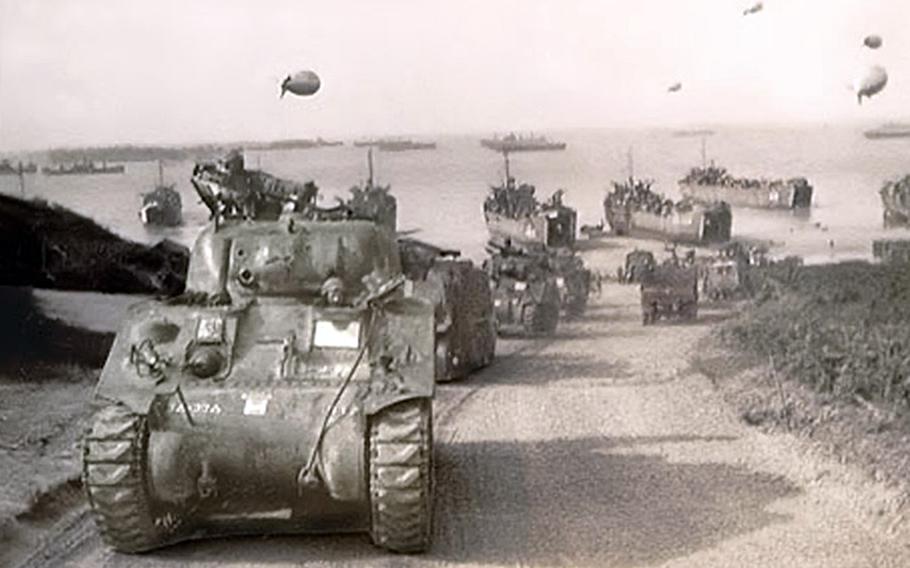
<point>873,41</point>
<point>302,83</point>
<point>870,82</point>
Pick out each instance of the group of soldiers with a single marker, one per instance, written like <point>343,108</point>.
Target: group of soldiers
<point>638,196</point>
<point>713,175</point>
<point>516,201</point>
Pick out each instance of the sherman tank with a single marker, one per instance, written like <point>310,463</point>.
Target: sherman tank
<point>288,390</point>
<point>573,280</point>
<point>633,209</point>
<point>526,297</point>
<point>460,292</point>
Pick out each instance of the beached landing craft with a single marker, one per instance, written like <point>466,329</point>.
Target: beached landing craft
<point>633,209</point>
<point>7,168</point>
<point>512,212</point>
<point>711,184</point>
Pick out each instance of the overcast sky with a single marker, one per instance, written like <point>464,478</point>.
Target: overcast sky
<point>158,71</point>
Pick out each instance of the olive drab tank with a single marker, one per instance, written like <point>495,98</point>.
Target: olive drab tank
<point>460,291</point>
<point>526,297</point>
<point>289,389</point>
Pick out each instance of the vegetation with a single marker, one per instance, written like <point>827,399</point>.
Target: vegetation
<point>842,329</point>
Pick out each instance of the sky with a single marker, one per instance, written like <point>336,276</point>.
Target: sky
<point>92,72</point>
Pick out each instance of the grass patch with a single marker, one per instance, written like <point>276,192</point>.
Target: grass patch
<point>841,329</point>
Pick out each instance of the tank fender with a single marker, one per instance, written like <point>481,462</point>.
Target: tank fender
<point>402,355</point>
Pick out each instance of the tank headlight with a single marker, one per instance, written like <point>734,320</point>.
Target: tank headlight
<point>337,334</point>
<point>210,330</point>
<point>205,362</point>
<point>521,286</point>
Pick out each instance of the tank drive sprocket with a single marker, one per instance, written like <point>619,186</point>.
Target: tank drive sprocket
<point>401,476</point>
<point>114,476</point>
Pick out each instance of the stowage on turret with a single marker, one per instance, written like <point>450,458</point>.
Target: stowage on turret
<point>288,389</point>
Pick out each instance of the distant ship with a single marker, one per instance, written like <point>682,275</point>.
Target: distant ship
<point>304,144</point>
<point>163,206</point>
<point>693,133</point>
<point>891,130</point>
<point>395,145</point>
<point>85,167</point>
<point>8,169</point>
<point>516,143</point>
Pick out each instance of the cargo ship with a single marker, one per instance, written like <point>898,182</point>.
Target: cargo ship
<point>85,167</point>
<point>890,130</point>
<point>162,206</point>
<point>395,145</point>
<point>709,184</point>
<point>8,169</point>
<point>633,209</point>
<point>891,251</point>
<point>514,215</point>
<point>516,143</point>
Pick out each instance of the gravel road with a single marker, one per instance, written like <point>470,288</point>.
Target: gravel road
<point>601,447</point>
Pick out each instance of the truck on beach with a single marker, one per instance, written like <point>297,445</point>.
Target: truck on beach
<point>633,209</point>
<point>669,291</point>
<point>711,184</point>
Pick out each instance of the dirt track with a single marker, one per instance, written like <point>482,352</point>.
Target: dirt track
<point>602,447</point>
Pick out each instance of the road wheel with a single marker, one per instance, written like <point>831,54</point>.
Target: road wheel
<point>401,476</point>
<point>114,475</point>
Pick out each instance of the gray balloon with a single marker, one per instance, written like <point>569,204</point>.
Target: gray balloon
<point>302,83</point>
<point>873,41</point>
<point>870,83</point>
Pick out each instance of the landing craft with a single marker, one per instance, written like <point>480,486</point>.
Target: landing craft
<point>754,9</point>
<point>303,83</point>
<point>873,41</point>
<point>674,88</point>
<point>870,83</point>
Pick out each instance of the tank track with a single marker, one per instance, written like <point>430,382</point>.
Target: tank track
<point>540,318</point>
<point>401,476</point>
<point>113,473</point>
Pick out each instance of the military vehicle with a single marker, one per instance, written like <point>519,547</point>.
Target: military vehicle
<point>637,263</point>
<point>513,213</point>
<point>526,297</point>
<point>719,278</point>
<point>289,389</point>
<point>710,184</point>
<point>460,291</point>
<point>573,280</point>
<point>891,251</point>
<point>895,196</point>
<point>669,291</point>
<point>633,209</point>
